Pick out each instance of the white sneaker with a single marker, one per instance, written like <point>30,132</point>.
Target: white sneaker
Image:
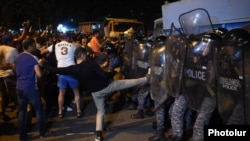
<point>149,71</point>
<point>148,75</point>
<point>98,139</point>
<point>69,109</point>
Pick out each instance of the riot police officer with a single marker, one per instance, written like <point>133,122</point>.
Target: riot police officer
<point>230,86</point>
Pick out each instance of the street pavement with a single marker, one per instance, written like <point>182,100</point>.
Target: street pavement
<point>119,126</point>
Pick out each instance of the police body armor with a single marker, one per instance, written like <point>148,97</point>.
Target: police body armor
<point>199,71</point>
<point>159,87</point>
<point>233,77</point>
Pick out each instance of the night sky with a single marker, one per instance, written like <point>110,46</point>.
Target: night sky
<point>44,12</point>
<point>97,10</point>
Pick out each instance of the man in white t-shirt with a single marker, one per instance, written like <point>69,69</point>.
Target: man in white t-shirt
<point>64,51</point>
<point>7,56</point>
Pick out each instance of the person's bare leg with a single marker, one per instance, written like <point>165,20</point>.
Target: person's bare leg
<point>61,101</point>
<point>77,101</point>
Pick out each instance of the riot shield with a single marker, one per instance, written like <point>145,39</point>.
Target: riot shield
<point>127,54</point>
<point>247,82</point>
<point>159,88</point>
<point>233,80</point>
<point>199,67</point>
<point>246,52</point>
<point>196,22</point>
<point>141,55</point>
<point>175,54</point>
<point>199,71</point>
<point>230,85</point>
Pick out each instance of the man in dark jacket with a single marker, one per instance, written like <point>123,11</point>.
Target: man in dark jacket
<point>94,79</point>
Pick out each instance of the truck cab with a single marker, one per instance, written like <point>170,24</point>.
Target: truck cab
<point>117,27</point>
<point>89,27</point>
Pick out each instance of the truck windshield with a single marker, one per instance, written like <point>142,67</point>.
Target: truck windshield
<point>123,26</point>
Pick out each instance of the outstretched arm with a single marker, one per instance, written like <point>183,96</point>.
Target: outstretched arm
<point>71,70</point>
<point>6,66</point>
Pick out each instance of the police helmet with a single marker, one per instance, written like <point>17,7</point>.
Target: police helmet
<point>202,44</point>
<point>221,31</point>
<point>160,39</point>
<point>237,38</point>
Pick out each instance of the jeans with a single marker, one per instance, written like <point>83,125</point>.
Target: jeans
<point>32,96</point>
<point>99,96</point>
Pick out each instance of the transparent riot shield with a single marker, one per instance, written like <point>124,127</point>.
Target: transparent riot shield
<point>199,65</point>
<point>247,82</point>
<point>199,71</point>
<point>233,80</point>
<point>230,83</point>
<point>175,54</point>
<point>127,54</point>
<point>246,52</point>
<point>141,55</point>
<point>158,71</point>
<point>196,22</point>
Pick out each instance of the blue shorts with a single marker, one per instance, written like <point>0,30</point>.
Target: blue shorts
<point>66,80</point>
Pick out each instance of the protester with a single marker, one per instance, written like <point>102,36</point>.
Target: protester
<point>97,42</point>
<point>27,72</point>
<point>64,51</point>
<point>84,41</point>
<point>7,79</point>
<point>99,83</point>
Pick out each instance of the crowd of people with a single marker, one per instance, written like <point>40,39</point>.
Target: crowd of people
<point>96,58</point>
<point>38,64</point>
